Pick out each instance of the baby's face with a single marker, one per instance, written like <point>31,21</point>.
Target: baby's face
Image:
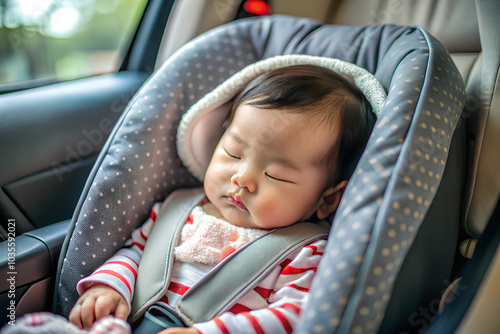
<point>268,169</point>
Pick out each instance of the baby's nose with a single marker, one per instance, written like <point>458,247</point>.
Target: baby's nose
<point>243,179</point>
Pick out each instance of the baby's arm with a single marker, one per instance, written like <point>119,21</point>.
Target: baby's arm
<point>115,278</point>
<point>98,302</point>
<point>286,299</point>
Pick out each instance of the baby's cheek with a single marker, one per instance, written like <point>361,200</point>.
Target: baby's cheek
<point>270,213</point>
<point>216,175</point>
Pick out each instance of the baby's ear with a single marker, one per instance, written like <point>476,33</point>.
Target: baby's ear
<point>330,200</point>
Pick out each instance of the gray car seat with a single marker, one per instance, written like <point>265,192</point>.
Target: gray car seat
<point>389,203</point>
<point>469,31</point>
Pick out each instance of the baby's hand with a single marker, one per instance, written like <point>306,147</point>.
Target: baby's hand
<point>97,302</point>
<point>180,330</point>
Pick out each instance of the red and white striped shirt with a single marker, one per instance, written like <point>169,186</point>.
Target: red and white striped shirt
<point>272,307</point>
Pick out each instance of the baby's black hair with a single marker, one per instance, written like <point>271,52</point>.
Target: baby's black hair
<point>330,96</point>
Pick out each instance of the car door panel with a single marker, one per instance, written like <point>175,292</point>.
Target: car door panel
<point>54,185</point>
<point>29,268</point>
<point>50,138</point>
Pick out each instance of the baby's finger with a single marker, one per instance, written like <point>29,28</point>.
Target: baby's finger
<point>75,316</point>
<point>121,311</point>
<point>104,304</point>
<point>88,312</point>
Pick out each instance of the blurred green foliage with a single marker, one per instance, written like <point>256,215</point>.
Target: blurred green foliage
<point>64,39</point>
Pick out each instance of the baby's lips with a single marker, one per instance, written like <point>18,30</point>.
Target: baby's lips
<point>236,201</point>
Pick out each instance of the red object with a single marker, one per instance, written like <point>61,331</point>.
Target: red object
<point>226,251</point>
<point>257,7</point>
<point>178,288</point>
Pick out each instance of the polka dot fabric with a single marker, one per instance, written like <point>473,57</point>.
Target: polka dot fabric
<point>394,184</point>
<point>139,165</point>
<point>384,203</point>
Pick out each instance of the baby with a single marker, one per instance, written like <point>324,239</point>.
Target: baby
<point>292,140</point>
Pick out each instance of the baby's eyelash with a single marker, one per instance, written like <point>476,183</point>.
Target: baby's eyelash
<point>230,155</point>
<point>277,179</point>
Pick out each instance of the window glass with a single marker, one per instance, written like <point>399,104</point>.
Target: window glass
<point>64,39</point>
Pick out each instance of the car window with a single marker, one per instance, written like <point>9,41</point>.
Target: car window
<point>64,40</point>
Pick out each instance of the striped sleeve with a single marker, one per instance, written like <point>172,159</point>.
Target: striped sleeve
<point>120,271</point>
<point>292,281</point>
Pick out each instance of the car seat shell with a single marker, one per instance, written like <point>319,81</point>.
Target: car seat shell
<point>384,205</point>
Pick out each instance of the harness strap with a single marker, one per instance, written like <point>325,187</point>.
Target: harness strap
<point>153,275</point>
<point>225,283</point>
<point>243,270</point>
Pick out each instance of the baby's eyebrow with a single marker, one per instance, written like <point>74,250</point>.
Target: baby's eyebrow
<point>237,138</point>
<point>286,163</point>
<point>275,159</point>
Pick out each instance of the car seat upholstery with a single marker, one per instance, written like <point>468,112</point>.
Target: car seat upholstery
<point>483,126</point>
<point>452,22</point>
<point>469,31</point>
<point>457,24</point>
<point>473,304</point>
<point>386,205</point>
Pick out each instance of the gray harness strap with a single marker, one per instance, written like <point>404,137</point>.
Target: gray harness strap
<point>224,284</point>
<point>153,275</point>
<point>241,272</point>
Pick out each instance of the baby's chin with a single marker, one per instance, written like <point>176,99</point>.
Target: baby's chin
<point>236,220</point>
<point>261,225</point>
<point>245,219</point>
<point>241,219</point>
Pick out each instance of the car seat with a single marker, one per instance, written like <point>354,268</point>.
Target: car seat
<point>468,29</point>
<point>386,205</point>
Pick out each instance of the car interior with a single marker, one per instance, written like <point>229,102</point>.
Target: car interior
<point>59,140</point>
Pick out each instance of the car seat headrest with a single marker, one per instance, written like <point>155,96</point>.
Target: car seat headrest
<point>201,127</point>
